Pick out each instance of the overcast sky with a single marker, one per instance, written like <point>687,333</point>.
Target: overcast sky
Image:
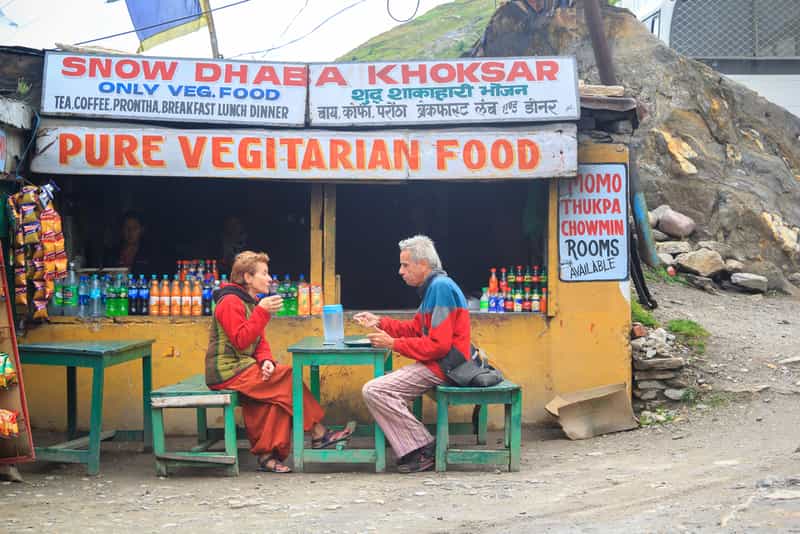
<point>253,26</point>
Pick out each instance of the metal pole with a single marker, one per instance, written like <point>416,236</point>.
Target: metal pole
<point>602,54</point>
<point>206,5</point>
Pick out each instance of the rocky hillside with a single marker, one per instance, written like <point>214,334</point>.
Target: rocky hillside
<point>707,146</point>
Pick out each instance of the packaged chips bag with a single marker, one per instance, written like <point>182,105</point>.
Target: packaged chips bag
<point>8,424</point>
<point>8,375</point>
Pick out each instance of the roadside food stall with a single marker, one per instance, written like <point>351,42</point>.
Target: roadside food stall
<point>326,167</point>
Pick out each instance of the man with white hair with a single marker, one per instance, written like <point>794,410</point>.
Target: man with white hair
<point>438,337</point>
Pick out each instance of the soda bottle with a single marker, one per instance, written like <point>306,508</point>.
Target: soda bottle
<point>303,297</point>
<point>207,292</point>
<point>71,292</point>
<point>164,302</point>
<point>520,277</point>
<point>217,285</point>
<point>274,285</point>
<point>543,302</point>
<point>83,297</point>
<point>57,302</point>
<point>155,296</point>
<point>526,300</point>
<point>214,271</point>
<point>511,278</point>
<point>105,292</point>
<point>543,279</point>
<point>96,297</point>
<point>493,286</point>
<point>143,295</point>
<point>133,296</point>
<point>503,280</point>
<point>196,297</point>
<point>518,300</point>
<point>535,276</point>
<point>292,293</point>
<point>485,300</point>
<point>316,299</point>
<point>528,278</point>
<point>500,305</point>
<point>535,301</point>
<point>508,301</point>
<point>285,291</point>
<point>492,302</point>
<point>177,305</point>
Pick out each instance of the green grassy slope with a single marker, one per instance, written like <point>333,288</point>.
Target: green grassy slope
<point>444,32</point>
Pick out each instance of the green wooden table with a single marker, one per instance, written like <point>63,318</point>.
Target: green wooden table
<point>96,356</point>
<point>312,353</point>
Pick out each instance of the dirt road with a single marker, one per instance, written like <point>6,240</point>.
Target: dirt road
<point>726,465</point>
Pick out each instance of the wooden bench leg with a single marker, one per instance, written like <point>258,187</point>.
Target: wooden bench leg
<point>442,431</point>
<point>515,433</point>
<point>202,425</point>
<point>96,419</point>
<point>158,440</point>
<point>416,408</point>
<point>230,439</point>
<point>483,423</point>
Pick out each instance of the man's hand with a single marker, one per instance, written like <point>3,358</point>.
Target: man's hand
<point>381,339</point>
<point>367,319</point>
<point>267,368</point>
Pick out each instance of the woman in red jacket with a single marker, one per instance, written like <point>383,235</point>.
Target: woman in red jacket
<point>239,358</point>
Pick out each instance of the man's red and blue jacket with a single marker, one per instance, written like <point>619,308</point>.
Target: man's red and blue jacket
<point>440,324</point>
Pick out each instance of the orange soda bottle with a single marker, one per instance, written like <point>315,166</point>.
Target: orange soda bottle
<point>175,297</point>
<point>493,286</point>
<point>196,297</point>
<point>543,301</point>
<point>186,298</point>
<point>163,308</point>
<point>155,298</point>
<point>303,297</point>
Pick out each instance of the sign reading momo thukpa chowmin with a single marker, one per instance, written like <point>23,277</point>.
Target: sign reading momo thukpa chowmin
<point>529,89</point>
<point>593,224</point>
<point>524,152</point>
<point>174,89</point>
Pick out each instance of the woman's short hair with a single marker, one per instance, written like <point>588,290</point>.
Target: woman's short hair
<point>245,262</point>
<point>421,248</point>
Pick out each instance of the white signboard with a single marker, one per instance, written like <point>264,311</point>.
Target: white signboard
<point>526,152</point>
<point>530,89</point>
<point>173,89</point>
<point>593,224</point>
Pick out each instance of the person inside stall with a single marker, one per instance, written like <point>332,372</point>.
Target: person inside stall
<point>234,240</point>
<point>239,358</point>
<point>131,251</point>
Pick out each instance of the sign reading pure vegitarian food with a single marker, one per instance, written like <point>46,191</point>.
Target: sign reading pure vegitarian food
<point>173,89</point>
<point>593,224</point>
<point>517,152</point>
<point>435,92</point>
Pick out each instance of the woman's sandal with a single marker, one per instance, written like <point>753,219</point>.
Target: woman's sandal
<point>273,465</point>
<point>331,437</point>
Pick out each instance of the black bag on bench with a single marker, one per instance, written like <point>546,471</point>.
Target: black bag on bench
<point>472,372</point>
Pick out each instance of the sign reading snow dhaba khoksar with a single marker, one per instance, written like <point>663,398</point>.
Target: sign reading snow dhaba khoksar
<point>174,89</point>
<point>480,90</point>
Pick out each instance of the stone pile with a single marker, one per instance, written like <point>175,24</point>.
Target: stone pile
<point>710,264</point>
<point>659,369</point>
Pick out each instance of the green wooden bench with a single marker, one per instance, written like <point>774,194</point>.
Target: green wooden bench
<point>506,393</point>
<point>193,393</point>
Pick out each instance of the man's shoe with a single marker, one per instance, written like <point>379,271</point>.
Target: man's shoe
<point>417,462</point>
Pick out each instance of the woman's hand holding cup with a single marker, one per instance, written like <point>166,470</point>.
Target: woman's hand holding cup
<point>272,303</point>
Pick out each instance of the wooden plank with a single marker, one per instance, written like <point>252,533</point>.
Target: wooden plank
<point>343,456</point>
<point>329,245</point>
<point>191,400</point>
<point>488,457</point>
<point>600,90</point>
<point>197,457</point>
<point>315,224</point>
<point>553,274</point>
<point>84,441</point>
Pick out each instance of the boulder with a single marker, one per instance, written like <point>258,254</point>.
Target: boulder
<point>726,251</point>
<point>674,394</point>
<point>652,218</point>
<point>795,278</point>
<point>755,282</point>
<point>667,259</point>
<point>655,375</point>
<point>676,224</point>
<point>701,262</point>
<point>658,235</point>
<point>673,247</point>
<point>734,266</point>
<point>658,364</point>
<point>659,211</point>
